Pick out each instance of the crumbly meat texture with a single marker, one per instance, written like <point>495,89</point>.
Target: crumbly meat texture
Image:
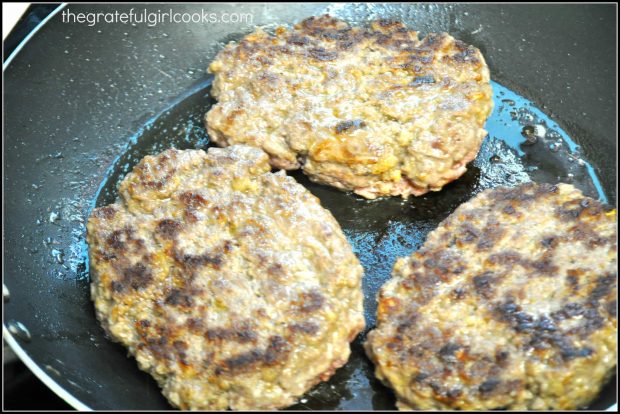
<point>373,110</point>
<point>510,303</point>
<point>230,284</point>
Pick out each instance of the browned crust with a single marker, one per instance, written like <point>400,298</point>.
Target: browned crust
<point>509,304</point>
<point>191,270</point>
<point>265,80</point>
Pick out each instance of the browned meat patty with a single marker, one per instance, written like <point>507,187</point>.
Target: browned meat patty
<point>510,303</point>
<point>229,284</point>
<point>372,110</point>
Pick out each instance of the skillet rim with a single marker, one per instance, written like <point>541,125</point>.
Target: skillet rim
<point>6,334</point>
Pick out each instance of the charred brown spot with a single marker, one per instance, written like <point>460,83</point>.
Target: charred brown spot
<point>124,239</point>
<point>197,261</point>
<point>420,377</point>
<point>509,209</point>
<point>570,310</point>
<point>116,286</point>
<point>483,284</point>
<point>106,212</point>
<point>430,263</point>
<point>550,241</point>
<point>513,314</point>
<point>277,348</point>
<point>440,391</point>
<point>283,49</point>
<point>578,208</point>
<point>240,362</point>
<point>523,194</point>
<point>177,297</point>
<point>544,266</point>
<point>381,38</point>
<point>195,324</point>
<point>116,240</point>
<point>264,60</point>
<point>460,45</point>
<point>588,314</point>
<point>265,76</point>
<point>489,386</point>
<point>569,352</point>
<point>395,343</point>
<point>467,234</point>
<point>490,236</point>
<point>345,45</point>
<point>501,357</point>
<point>135,277</point>
<point>612,308</point>
<point>144,323</point>
<point>190,216</point>
<point>162,160</point>
<point>604,286</point>
<point>507,258</point>
<point>159,347</point>
<point>437,144</point>
<point>333,35</point>
<point>274,353</point>
<point>321,23</point>
<point>407,323</point>
<point>323,55</point>
<point>275,269</point>
<point>308,328</point>
<point>298,40</point>
<point>311,302</point>
<point>459,293</point>
<point>448,353</point>
<point>468,55</point>
<point>431,40</point>
<point>388,23</point>
<point>107,256</point>
<point>193,200</point>
<point>157,185</point>
<point>573,281</point>
<point>168,228</point>
<point>454,393</point>
<point>181,347</point>
<point>544,332</point>
<point>241,335</point>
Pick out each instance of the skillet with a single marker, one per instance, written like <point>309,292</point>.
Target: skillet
<point>84,103</point>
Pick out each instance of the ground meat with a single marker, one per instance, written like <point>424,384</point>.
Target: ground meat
<point>510,304</point>
<point>373,110</point>
<point>230,284</point>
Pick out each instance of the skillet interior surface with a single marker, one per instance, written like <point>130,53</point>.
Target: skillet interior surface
<point>76,124</point>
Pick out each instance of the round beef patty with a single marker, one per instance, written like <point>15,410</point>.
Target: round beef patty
<point>510,303</point>
<point>231,285</point>
<point>373,110</point>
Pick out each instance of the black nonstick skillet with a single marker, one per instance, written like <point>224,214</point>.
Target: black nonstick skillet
<point>83,103</point>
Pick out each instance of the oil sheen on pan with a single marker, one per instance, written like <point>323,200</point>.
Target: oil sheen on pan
<point>524,144</point>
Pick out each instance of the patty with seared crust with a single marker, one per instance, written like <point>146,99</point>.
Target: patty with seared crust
<point>372,110</point>
<point>510,303</point>
<point>230,284</point>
